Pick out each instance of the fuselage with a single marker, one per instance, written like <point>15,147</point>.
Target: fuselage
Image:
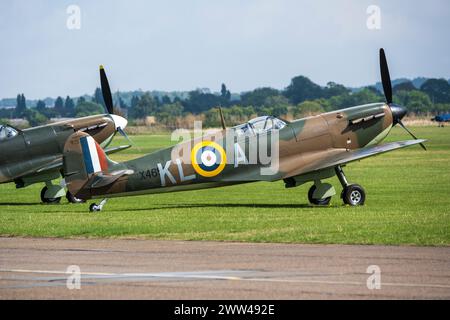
<point>301,143</point>
<point>38,147</point>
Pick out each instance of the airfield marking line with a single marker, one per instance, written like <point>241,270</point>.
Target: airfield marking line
<point>389,284</point>
<point>131,275</point>
<point>54,272</point>
<point>186,275</point>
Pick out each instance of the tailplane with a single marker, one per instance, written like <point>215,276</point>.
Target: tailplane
<point>87,169</point>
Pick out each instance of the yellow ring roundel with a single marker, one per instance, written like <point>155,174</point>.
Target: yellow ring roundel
<point>208,158</point>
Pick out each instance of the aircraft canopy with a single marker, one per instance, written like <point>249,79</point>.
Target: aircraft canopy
<point>260,125</point>
<point>7,132</point>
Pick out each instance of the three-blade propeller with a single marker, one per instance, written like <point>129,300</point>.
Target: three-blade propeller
<point>398,112</point>
<point>119,121</point>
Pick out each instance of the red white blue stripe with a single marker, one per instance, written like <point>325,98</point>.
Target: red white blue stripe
<point>93,155</point>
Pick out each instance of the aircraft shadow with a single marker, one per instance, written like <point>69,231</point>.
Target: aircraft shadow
<point>237,205</point>
<point>19,203</point>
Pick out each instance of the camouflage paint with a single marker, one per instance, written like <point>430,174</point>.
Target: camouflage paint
<point>303,144</point>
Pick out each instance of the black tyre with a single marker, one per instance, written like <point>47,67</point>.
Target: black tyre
<point>317,202</point>
<point>354,195</point>
<point>48,200</point>
<point>94,208</point>
<point>72,199</point>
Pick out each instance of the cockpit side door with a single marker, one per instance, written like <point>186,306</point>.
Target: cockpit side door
<point>13,149</point>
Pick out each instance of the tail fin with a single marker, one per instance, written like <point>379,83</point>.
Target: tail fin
<point>86,166</point>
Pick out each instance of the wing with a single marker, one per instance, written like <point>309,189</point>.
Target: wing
<point>343,156</point>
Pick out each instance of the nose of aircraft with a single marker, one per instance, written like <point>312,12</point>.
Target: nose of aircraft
<point>120,122</point>
<point>398,112</point>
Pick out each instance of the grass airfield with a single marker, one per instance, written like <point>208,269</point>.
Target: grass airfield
<point>408,203</point>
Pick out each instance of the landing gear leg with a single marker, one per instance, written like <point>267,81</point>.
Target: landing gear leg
<point>352,194</point>
<point>97,207</point>
<point>72,199</point>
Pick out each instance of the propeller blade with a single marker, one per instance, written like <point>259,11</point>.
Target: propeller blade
<point>412,134</point>
<point>385,77</point>
<point>106,91</point>
<point>119,129</point>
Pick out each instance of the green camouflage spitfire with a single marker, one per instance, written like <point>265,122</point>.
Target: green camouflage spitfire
<point>36,155</point>
<point>264,149</point>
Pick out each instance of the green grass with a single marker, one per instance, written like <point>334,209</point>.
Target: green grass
<point>408,203</point>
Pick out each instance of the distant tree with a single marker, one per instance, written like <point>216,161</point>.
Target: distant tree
<point>21,106</point>
<point>225,95</point>
<point>212,119</point>
<point>169,113</point>
<point>374,90</point>
<point>307,108</point>
<point>122,104</point>
<point>88,108</point>
<point>440,108</point>
<point>363,96</point>
<point>157,100</point>
<point>301,89</point>
<point>199,102</point>
<point>166,100</point>
<point>81,100</point>
<point>98,98</point>
<point>69,107</point>
<point>278,106</point>
<point>146,106</point>
<point>35,118</point>
<point>415,101</point>
<point>59,107</point>
<point>437,89</point>
<point>404,86</point>
<point>333,89</point>
<point>177,99</point>
<point>258,97</point>
<point>41,107</point>
<point>134,102</point>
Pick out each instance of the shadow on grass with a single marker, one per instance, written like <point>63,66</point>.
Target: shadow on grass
<point>20,203</point>
<point>236,205</point>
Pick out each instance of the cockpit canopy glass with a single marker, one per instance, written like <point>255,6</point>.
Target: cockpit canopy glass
<point>7,132</point>
<point>260,125</point>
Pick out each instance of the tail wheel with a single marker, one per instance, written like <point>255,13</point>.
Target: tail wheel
<point>48,200</point>
<point>72,199</point>
<point>318,202</point>
<point>354,195</point>
<point>95,208</point>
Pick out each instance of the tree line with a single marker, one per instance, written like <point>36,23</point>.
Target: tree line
<point>301,97</point>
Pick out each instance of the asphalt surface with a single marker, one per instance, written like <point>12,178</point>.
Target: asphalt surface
<point>145,269</point>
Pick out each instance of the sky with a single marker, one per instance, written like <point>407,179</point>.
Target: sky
<point>182,45</point>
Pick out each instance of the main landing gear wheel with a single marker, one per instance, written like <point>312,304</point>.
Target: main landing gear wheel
<point>48,200</point>
<point>354,195</point>
<point>317,202</point>
<point>72,199</point>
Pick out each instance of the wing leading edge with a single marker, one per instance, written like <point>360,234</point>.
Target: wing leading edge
<point>336,157</point>
<point>355,155</point>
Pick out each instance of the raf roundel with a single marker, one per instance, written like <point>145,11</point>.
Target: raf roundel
<point>208,158</point>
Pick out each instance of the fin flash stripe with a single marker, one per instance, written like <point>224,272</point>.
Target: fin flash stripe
<point>93,155</point>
